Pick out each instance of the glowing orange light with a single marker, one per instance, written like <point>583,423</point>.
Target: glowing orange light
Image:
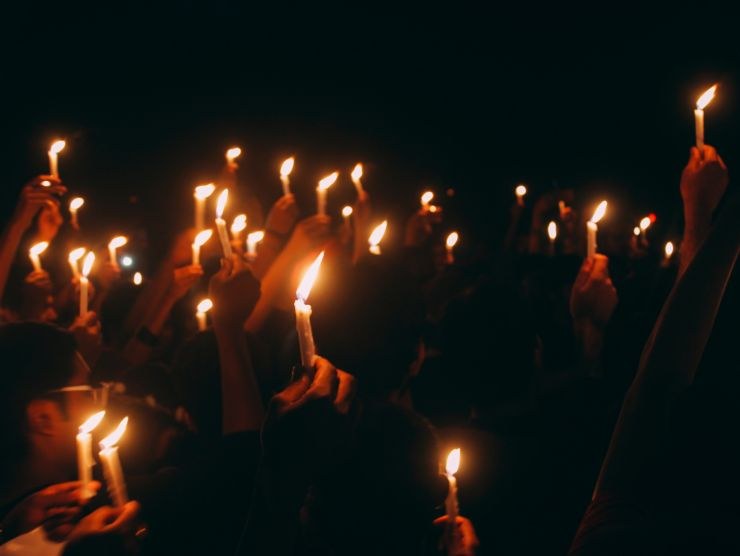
<point>347,211</point>
<point>232,153</point>
<point>357,172</point>
<point>309,277</point>
<point>636,230</point>
<point>205,305</point>
<point>599,212</point>
<point>138,279</point>
<point>452,240</point>
<point>645,223</point>
<point>287,167</point>
<point>221,202</point>
<point>76,203</point>
<point>204,191</point>
<point>376,235</point>
<point>328,181</point>
<point>706,97</point>
<point>552,230</point>
<point>668,249</point>
<point>87,263</point>
<point>38,248</point>
<point>89,425</point>
<point>202,237</point>
<point>76,254</point>
<point>118,241</point>
<point>113,438</point>
<point>520,190</point>
<point>57,147</point>
<point>453,461</point>
<point>426,198</point>
<point>239,223</point>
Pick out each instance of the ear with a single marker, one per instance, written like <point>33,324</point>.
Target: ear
<point>43,417</point>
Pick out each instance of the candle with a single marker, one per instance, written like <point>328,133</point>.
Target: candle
<point>346,213</point>
<point>701,104</point>
<point>113,244</point>
<point>202,192</point>
<point>636,231</point>
<point>426,198</point>
<point>520,191</point>
<point>451,504</point>
<point>198,242</point>
<point>375,236</point>
<point>552,234</point>
<point>112,465</point>
<point>87,264</point>
<point>74,206</point>
<point>356,175</point>
<point>324,184</point>
<point>200,315</point>
<point>54,150</point>
<point>238,225</point>
<point>450,243</point>
<point>285,169</point>
<point>34,252</point>
<point>137,279</point>
<point>74,256</point>
<point>303,315</point>
<point>84,452</point>
<point>592,228</point>
<point>223,235</point>
<point>668,250</point>
<point>231,155</point>
<point>252,240</point>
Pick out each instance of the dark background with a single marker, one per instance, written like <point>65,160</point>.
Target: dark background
<point>149,98</point>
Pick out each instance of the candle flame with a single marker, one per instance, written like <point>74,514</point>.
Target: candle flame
<point>76,203</point>
<point>38,248</point>
<point>706,97</point>
<point>221,202</point>
<point>599,212</point>
<point>113,438</point>
<point>202,237</point>
<point>256,237</point>
<point>204,191</point>
<point>426,198</point>
<point>453,461</point>
<point>138,278</point>
<point>452,240</point>
<point>357,171</point>
<point>205,305</point>
<point>347,211</point>
<point>645,223</point>
<point>636,230</point>
<point>239,223</point>
<point>377,234</point>
<point>520,190</point>
<point>118,241</point>
<point>45,183</point>
<point>287,167</point>
<point>232,153</point>
<point>57,147</point>
<point>328,181</point>
<point>76,254</point>
<point>89,425</point>
<point>668,249</point>
<point>552,230</point>
<point>87,263</point>
<point>309,277</point>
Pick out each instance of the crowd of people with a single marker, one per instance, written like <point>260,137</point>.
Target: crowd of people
<point>590,396</point>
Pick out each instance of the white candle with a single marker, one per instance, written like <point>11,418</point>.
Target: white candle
<point>113,244</point>
<point>202,192</point>
<point>87,264</point>
<point>375,236</point>
<point>451,503</point>
<point>303,316</point>
<point>285,169</point>
<point>324,184</point>
<point>84,452</point>
<point>426,198</point>
<point>54,150</point>
<point>592,228</point>
<point>238,225</point>
<point>520,191</point>
<point>552,234</point>
<point>200,315</point>
<point>112,465</point>
<point>74,206</point>
<point>137,279</point>
<point>223,234</point>
<point>668,252</point>
<point>231,155</point>
<point>701,104</point>
<point>252,240</point>
<point>34,254</point>
<point>74,256</point>
<point>356,175</point>
<point>450,243</point>
<point>198,242</point>
<point>346,214</point>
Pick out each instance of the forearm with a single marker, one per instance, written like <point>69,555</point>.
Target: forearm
<point>150,297</point>
<point>267,253</point>
<point>590,338</point>
<point>9,242</point>
<point>273,287</point>
<point>136,351</point>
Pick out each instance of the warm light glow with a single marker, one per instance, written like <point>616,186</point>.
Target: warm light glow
<point>452,240</point>
<point>552,230</point>
<point>357,171</point>
<point>453,461</point>
<point>204,191</point>
<point>232,153</point>
<point>202,237</point>
<point>57,147</point>
<point>287,167</point>
<point>256,237</point>
<point>76,203</point>
<point>645,223</point>
<point>668,248</point>
<point>76,254</point>
<point>45,183</point>
<point>377,234</point>
<point>87,263</point>
<point>113,438</point>
<point>427,197</point>
<point>127,261</point>
<point>38,248</point>
<point>347,211</point>
<point>118,241</point>
<point>636,230</point>
<point>221,202</point>
<point>328,181</point>
<point>138,278</point>
<point>599,212</point>
<point>706,97</point>
<point>520,190</point>
<point>239,223</point>
<point>88,426</point>
<point>309,277</point>
<point>205,305</point>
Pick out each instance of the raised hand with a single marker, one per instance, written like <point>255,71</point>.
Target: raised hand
<point>34,197</point>
<point>308,235</point>
<point>183,279</point>
<point>234,292</point>
<point>703,182</point>
<point>593,297</point>
<point>282,216</point>
<point>121,520</point>
<point>466,541</point>
<point>108,274</point>
<point>49,222</point>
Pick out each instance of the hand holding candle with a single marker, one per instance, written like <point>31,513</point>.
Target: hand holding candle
<point>203,307</point>
<point>54,150</point>
<point>701,104</point>
<point>34,254</point>
<point>285,169</point>
<point>592,228</point>
<point>74,206</point>
<point>84,451</point>
<point>223,234</point>
<point>303,315</point>
<point>200,240</point>
<point>113,244</point>
<point>87,264</point>
<point>324,184</point>
<point>451,504</point>
<point>356,175</point>
<point>112,465</point>
<point>202,192</point>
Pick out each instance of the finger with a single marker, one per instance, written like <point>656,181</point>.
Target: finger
<point>292,393</point>
<point>470,539</point>
<point>345,392</point>
<point>125,516</point>
<point>721,162</point>
<point>238,263</point>
<point>325,382</point>
<point>709,153</point>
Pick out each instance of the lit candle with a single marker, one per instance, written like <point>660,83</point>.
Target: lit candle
<point>285,169</point>
<point>592,228</point>
<point>451,504</point>
<point>346,213</point>
<point>636,231</point>
<point>668,250</point>
<point>231,155</point>
<point>520,191</point>
<point>450,243</point>
<point>303,315</point>
<point>74,206</point>
<point>74,256</point>
<point>137,279</point>
<point>112,465</point>
<point>87,264</point>
<point>375,236</point>
<point>202,192</point>
<point>223,234</point>
<point>238,225</point>
<point>84,452</point>
<point>34,252</point>
<point>426,198</point>
<point>324,184</point>
<point>113,244</point>
<point>54,150</point>
<point>356,175</point>
<point>200,315</point>
<point>252,240</point>
<point>552,234</point>
<point>701,104</point>
<point>198,242</point>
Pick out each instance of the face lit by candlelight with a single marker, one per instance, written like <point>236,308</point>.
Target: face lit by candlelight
<point>599,212</point>
<point>205,305</point>
<point>376,235</point>
<point>520,190</point>
<point>202,237</point>
<point>204,191</point>
<point>232,153</point>
<point>76,203</point>
<point>453,461</point>
<point>112,439</point>
<point>76,254</point>
<point>38,248</point>
<point>57,147</point>
<point>328,181</point>
<point>138,279</point>
<point>221,203</point>
<point>287,167</point>
<point>118,241</point>
<point>552,230</point>
<point>347,211</point>
<point>357,172</point>
<point>87,263</point>
<point>239,223</point>
<point>426,198</point>
<point>88,426</point>
<point>706,97</point>
<point>452,240</point>
<point>309,277</point>
<point>668,249</point>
